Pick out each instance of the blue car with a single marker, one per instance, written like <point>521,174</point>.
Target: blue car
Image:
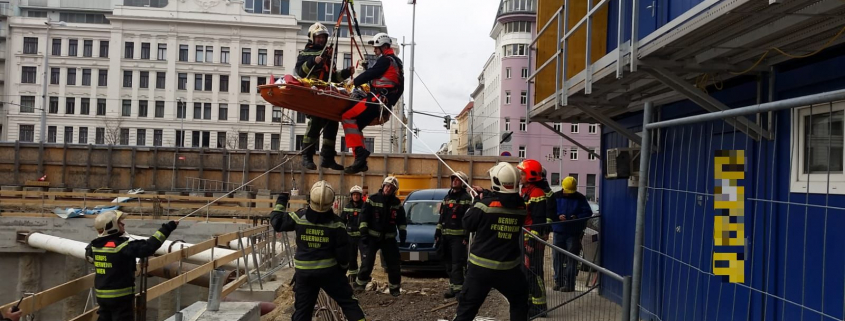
<point>422,208</point>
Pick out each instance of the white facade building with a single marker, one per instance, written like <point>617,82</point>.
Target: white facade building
<point>165,73</point>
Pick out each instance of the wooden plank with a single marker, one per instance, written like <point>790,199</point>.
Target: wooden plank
<point>234,285</point>
<point>199,247</point>
<point>52,295</point>
<point>90,315</point>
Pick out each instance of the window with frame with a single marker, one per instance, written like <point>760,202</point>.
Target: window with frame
<point>276,116</point>
<point>347,60</point>
<point>83,135</point>
<point>158,137</point>
<point>209,54</point>
<point>141,137</point>
<point>181,110</point>
<point>370,143</point>
<point>102,77</point>
<point>523,125</point>
<point>593,128</point>
<point>224,83</point>
<point>199,54</point>
<point>28,75</point>
<point>507,123</point>
<point>260,114</point>
<point>70,105</point>
<point>54,105</point>
<point>372,14</point>
<point>524,73</point>
<point>523,98</point>
<point>208,81</point>
<point>72,47</point>
<point>198,82</point>
<point>145,50</point>
<point>183,81</point>
<point>507,97</point>
<point>124,136</point>
<point>101,107</point>
<point>298,143</point>
<point>278,57</point>
<point>262,57</point>
<point>126,108</point>
<point>51,134</point>
<point>260,81</point>
<point>206,111</point>
<point>127,79</point>
<point>180,138</point>
<point>145,79</point>
<point>244,115</point>
<point>104,48</point>
<point>26,133</point>
<point>161,78</point>
<point>322,11</point>
<point>259,141</point>
<point>515,50</point>
<point>243,141</point>
<point>195,138</point>
<point>556,126</point>
<point>245,84</point>
<point>162,51</point>
<point>574,128</point>
<point>556,152</point>
<point>246,56</point>
<point>274,142</point>
<point>592,156</point>
<point>508,73</point>
<point>555,179</point>
<point>85,106</point>
<point>57,47</point>
<point>129,50</point>
<point>573,153</point>
<point>197,110</point>
<point>222,112</point>
<point>517,26</point>
<point>221,140</point>
<point>591,187</point>
<point>183,52</point>
<point>99,136</point>
<point>27,104</point>
<point>521,152</point>
<point>300,118</point>
<point>86,77</point>
<point>143,106</point>
<point>55,75</point>
<point>159,111</point>
<point>817,132</point>
<point>224,55</point>
<point>71,76</point>
<point>30,45</point>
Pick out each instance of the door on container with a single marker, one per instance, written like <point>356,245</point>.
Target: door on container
<point>648,13</point>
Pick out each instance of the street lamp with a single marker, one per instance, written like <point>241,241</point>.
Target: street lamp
<point>49,24</point>
<point>411,85</point>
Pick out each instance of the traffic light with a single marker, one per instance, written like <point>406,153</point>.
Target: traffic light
<point>447,121</point>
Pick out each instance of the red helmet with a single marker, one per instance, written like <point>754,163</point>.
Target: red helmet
<point>532,170</point>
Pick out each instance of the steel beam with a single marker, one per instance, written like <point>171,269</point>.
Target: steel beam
<point>589,151</point>
<point>607,121</point>
<point>688,66</point>
<point>706,101</point>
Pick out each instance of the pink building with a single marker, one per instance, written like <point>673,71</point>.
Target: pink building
<point>501,101</point>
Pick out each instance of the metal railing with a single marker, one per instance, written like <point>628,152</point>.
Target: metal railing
<point>196,184</point>
<point>570,286</point>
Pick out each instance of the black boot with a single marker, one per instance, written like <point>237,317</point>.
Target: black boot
<point>327,155</point>
<point>308,157</point>
<point>360,163</point>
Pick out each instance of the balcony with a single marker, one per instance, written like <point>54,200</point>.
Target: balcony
<point>507,7</point>
<point>6,10</point>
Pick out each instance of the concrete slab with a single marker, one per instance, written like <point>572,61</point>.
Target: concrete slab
<point>263,192</point>
<point>243,194</point>
<point>10,188</point>
<point>264,204</point>
<point>229,311</point>
<point>270,291</point>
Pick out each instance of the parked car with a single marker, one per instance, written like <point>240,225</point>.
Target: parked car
<point>422,208</point>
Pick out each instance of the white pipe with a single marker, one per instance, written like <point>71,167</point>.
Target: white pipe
<point>57,244</point>
<point>202,257</point>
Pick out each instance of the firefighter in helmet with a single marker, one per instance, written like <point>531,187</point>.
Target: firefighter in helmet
<point>535,193</point>
<point>380,219</point>
<point>350,215</point>
<point>450,235</point>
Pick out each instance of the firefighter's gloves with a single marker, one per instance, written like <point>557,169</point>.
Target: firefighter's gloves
<point>358,94</point>
<point>365,64</point>
<point>170,226</point>
<point>403,236</point>
<point>437,234</point>
<point>283,199</point>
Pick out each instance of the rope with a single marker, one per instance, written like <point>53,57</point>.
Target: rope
<point>823,47</point>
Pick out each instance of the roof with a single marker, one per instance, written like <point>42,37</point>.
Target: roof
<point>466,109</point>
<point>427,195</point>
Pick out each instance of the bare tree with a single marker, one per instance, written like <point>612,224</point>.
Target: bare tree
<point>233,138</point>
<point>113,127</point>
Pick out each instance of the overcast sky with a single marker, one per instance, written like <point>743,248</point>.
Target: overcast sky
<point>453,43</point>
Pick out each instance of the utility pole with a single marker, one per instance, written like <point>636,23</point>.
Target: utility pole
<point>411,87</point>
<point>49,24</point>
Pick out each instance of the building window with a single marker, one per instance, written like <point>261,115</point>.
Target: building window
<point>198,82</point>
<point>594,128</point>
<point>508,73</point>
<point>54,105</point>
<point>556,126</point>
<point>70,105</point>
<point>320,11</point>
<point>259,113</point>
<point>51,134</point>
<point>197,110</point>
<point>224,83</point>
<point>591,187</point>
<point>573,153</point>
<point>145,79</point>
<point>199,54</point>
<point>71,76</point>
<point>86,77</point>
<point>124,136</point>
<point>129,50</point>
<point>88,48</point>
<point>180,138</point>
<point>104,50</point>
<point>222,112</point>
<point>26,133</point>
<point>259,141</point>
<point>818,135</point>
<point>592,156</point>
<point>262,57</point>
<point>162,51</point>
<point>575,176</point>
<point>72,17</point>
<point>126,108</point>
<point>57,47</point>
<point>515,50</point>
<point>85,106</point>
<point>101,107</point>
<point>246,56</point>
<point>278,57</point>
<point>274,141</point>
<point>245,84</point>
<point>183,81</point>
<point>27,104</point>
<point>206,111</point>
<point>209,54</point>
<point>141,137</point>
<point>507,97</point>
<point>372,14</point>
<point>221,140</point>
<point>99,136</point>
<point>83,135</point>
<point>244,113</point>
<point>521,152</point>
<point>556,152</point>
<point>159,112</point>
<point>161,76</point>
<point>555,179</point>
<point>28,75</point>
<point>30,45</point>
<point>276,115</point>
<point>523,125</point>
<point>347,60</point>
<point>68,134</point>
<point>574,128</point>
<point>523,98</point>
<point>103,77</point>
<point>524,73</point>
<point>127,79</point>
<point>518,26</point>
<point>208,82</point>
<point>157,137</point>
<point>142,108</point>
<point>54,76</point>
<point>300,118</point>
<point>224,55</point>
<point>145,50</point>
<point>298,142</point>
<point>181,110</point>
<point>183,52</point>
<point>72,46</point>
<point>243,141</point>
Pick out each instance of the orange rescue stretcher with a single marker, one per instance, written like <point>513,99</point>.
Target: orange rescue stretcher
<point>314,97</point>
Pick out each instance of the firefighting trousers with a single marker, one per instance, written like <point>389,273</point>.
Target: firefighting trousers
<point>534,253</point>
<point>356,119</point>
<point>334,283</point>
<point>312,132</point>
<point>116,309</point>
<point>354,246</point>
<point>389,250</point>
<point>510,283</point>
<point>454,256</point>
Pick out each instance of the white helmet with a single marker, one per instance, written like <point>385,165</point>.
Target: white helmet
<point>317,29</point>
<point>356,189</point>
<point>321,197</point>
<point>391,180</point>
<point>504,178</point>
<point>380,39</point>
<point>463,176</point>
<point>108,223</point>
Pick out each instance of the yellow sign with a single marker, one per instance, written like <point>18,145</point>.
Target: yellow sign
<point>729,222</point>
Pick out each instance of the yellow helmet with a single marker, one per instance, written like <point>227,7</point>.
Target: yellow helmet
<point>108,223</point>
<point>569,184</point>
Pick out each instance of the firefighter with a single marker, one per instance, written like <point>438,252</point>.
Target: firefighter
<point>571,205</point>
<point>450,235</point>
<point>350,215</point>
<point>387,84</point>
<point>321,254</point>
<point>314,62</point>
<point>535,192</point>
<point>113,255</point>
<point>382,215</point>
<point>495,258</point>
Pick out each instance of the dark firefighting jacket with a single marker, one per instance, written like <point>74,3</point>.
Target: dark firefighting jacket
<point>387,73</point>
<point>305,63</point>
<point>321,238</point>
<point>452,211</point>
<point>496,221</point>
<point>114,261</point>
<point>540,205</point>
<point>350,216</point>
<point>382,215</point>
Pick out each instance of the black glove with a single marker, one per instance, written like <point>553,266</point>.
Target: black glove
<point>170,226</point>
<point>403,236</point>
<point>283,199</point>
<point>365,64</point>
<point>437,234</point>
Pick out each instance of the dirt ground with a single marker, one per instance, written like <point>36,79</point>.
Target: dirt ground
<point>422,292</point>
